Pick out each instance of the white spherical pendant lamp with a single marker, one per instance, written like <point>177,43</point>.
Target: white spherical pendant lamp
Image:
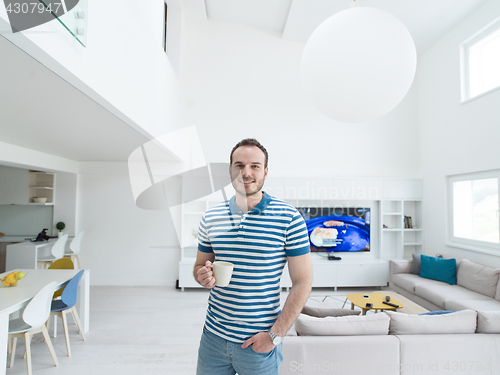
<point>358,64</point>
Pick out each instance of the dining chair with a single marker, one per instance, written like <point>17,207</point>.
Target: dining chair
<point>74,248</point>
<point>61,307</point>
<point>32,322</point>
<point>60,264</point>
<point>56,252</point>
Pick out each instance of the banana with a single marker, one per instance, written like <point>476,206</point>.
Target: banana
<point>10,279</point>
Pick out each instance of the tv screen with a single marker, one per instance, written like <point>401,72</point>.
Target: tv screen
<point>339,229</point>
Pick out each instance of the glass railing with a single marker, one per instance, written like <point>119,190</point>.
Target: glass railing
<point>74,18</point>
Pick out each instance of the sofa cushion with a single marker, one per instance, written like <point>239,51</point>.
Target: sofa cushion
<point>439,293</point>
<point>478,278</point>
<point>488,304</point>
<point>461,354</point>
<point>488,322</point>
<point>374,324</point>
<point>456,322</point>
<point>349,355</point>
<point>439,269</point>
<point>415,264</point>
<point>408,281</point>
<point>322,309</point>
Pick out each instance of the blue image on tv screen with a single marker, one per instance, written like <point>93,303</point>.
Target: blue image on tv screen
<point>339,229</point>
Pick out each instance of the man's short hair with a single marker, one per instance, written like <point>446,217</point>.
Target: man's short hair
<point>249,142</point>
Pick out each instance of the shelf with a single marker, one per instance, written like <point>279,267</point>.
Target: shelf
<point>392,213</point>
<point>391,230</point>
<point>413,230</point>
<point>41,185</point>
<point>413,243</point>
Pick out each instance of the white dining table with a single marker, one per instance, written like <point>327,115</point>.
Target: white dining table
<point>14,298</point>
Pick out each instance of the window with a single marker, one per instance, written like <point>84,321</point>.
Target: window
<point>473,219</point>
<point>480,56</point>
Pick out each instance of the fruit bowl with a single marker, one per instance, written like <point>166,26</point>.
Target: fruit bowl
<point>12,279</point>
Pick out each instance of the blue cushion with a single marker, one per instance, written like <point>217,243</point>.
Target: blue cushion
<point>439,269</point>
<point>440,312</point>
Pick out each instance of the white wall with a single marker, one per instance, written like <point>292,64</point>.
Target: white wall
<point>123,244</point>
<point>240,82</point>
<point>123,67</point>
<point>453,137</point>
<point>65,202</point>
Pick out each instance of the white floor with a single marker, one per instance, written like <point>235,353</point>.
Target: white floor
<point>134,330</point>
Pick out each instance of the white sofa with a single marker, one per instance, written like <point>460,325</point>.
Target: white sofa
<point>401,344</point>
<point>477,287</point>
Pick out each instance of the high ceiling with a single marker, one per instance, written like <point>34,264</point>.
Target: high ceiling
<point>427,20</point>
<point>41,111</point>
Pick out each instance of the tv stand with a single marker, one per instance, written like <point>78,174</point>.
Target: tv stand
<point>347,272</point>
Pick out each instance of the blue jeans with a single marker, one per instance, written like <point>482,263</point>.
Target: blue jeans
<point>217,356</point>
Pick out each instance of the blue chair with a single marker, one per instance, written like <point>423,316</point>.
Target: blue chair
<point>65,305</point>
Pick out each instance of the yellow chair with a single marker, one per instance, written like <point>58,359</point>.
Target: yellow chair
<point>61,264</point>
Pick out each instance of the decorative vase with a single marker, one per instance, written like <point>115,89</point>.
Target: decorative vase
<point>60,234</point>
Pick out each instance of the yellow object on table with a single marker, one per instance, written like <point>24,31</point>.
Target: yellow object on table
<point>376,299</point>
<point>12,278</point>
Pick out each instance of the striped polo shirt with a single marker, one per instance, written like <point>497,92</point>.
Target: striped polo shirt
<point>257,243</point>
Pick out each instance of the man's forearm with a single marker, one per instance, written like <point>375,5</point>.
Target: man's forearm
<point>299,293</point>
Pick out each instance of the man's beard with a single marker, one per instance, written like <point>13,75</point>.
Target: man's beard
<point>240,187</point>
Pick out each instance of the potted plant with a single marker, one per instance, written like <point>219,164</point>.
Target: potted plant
<point>60,226</point>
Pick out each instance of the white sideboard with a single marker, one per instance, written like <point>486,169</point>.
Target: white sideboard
<point>344,273</point>
<point>326,273</point>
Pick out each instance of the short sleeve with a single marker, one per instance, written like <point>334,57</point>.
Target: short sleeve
<point>204,244</point>
<point>297,239</point>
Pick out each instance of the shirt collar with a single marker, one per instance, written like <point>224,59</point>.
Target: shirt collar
<point>234,209</point>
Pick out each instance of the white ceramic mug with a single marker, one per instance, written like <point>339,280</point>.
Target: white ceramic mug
<point>222,272</point>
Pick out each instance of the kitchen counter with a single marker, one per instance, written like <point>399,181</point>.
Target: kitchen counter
<point>14,238</point>
<point>25,254</point>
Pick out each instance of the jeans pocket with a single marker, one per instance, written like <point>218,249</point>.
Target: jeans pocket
<point>261,353</point>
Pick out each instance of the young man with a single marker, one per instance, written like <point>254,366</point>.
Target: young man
<point>244,326</point>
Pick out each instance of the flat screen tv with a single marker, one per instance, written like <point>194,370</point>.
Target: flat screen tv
<point>339,229</point>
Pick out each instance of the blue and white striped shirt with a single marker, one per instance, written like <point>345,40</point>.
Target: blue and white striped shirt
<point>258,244</point>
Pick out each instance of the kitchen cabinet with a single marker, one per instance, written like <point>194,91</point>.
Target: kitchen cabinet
<point>19,186</point>
<point>41,185</point>
<point>13,185</point>
<point>3,255</point>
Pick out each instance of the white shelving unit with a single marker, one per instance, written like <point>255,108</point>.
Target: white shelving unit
<point>41,185</point>
<point>396,240</point>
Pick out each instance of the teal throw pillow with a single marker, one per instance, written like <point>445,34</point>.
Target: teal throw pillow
<point>439,269</point>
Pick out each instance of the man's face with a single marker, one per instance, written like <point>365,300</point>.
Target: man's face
<point>247,170</point>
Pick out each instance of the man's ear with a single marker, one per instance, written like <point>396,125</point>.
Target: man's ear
<point>265,172</point>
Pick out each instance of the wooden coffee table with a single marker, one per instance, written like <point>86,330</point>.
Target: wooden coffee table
<point>376,300</point>
<point>407,306</point>
<point>410,307</point>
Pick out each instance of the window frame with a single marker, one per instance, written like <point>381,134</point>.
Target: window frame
<point>486,31</point>
<point>465,243</point>
<point>165,27</point>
